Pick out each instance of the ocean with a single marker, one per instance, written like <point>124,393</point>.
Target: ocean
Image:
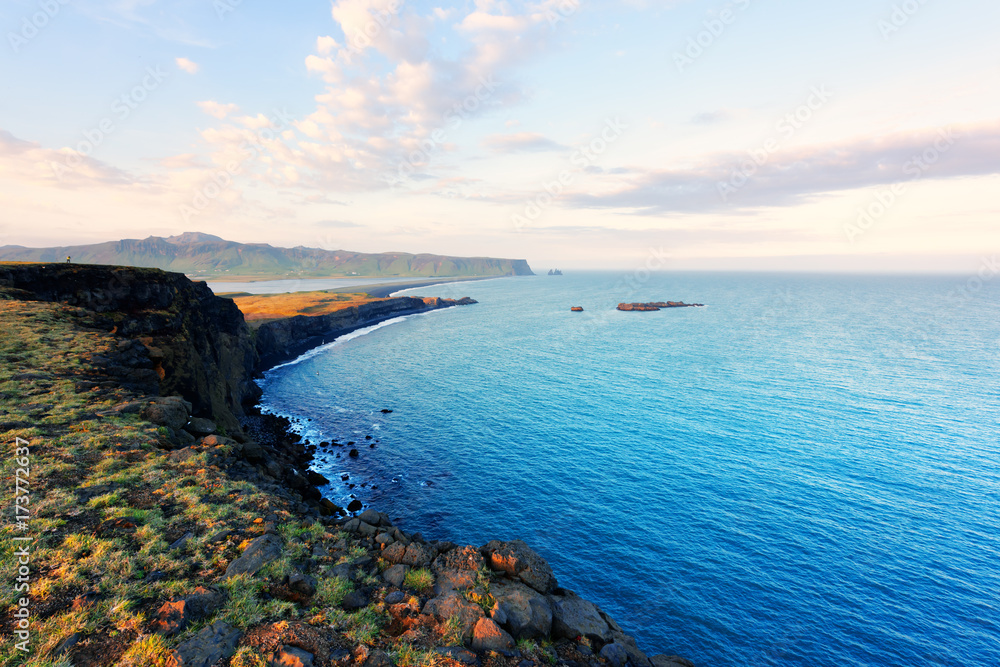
<point>803,472</point>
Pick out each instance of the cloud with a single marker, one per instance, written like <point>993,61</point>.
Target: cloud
<point>790,177</point>
<point>326,45</point>
<point>521,142</point>
<point>29,161</point>
<point>217,109</point>
<point>712,117</point>
<point>188,66</point>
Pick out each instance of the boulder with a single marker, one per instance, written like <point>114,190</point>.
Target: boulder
<point>524,612</point>
<point>395,552</point>
<point>303,584</point>
<point>573,617</point>
<point>615,654</point>
<point>315,478</point>
<point>355,600</point>
<point>169,411</point>
<point>378,659</point>
<point>370,516</point>
<point>446,581</point>
<point>217,440</point>
<point>396,575</point>
<point>463,558</point>
<point>520,561</point>
<point>444,607</point>
<point>215,642</point>
<point>199,426</point>
<point>176,614</point>
<point>258,553</point>
<point>487,636</point>
<point>417,555</point>
<point>628,643</point>
<point>354,505</point>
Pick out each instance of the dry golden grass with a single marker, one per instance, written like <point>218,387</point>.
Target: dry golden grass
<point>264,307</point>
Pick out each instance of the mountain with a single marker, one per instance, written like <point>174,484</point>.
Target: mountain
<point>207,256</point>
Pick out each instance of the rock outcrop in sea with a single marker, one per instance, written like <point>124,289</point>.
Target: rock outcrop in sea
<point>657,305</point>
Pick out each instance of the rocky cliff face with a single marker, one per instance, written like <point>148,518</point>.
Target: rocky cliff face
<point>175,334</point>
<point>283,340</point>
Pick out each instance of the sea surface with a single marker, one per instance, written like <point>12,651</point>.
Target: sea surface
<point>804,472</point>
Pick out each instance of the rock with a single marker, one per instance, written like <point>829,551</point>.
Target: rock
<point>487,636</point>
<point>370,516</point>
<point>328,508</point>
<point>635,654</point>
<point>354,505</point>
<point>199,426</point>
<point>384,539</point>
<point>395,552</point>
<point>220,536</point>
<point>378,659</point>
<point>259,553</point>
<point>574,617</point>
<point>615,654</point>
<point>395,575</point>
<point>417,555</point>
<point>395,597</point>
<point>452,604</point>
<point>355,600</point>
<point>353,453</point>
<point>291,656</point>
<point>303,583</point>
<point>386,411</point>
<point>662,660</point>
<point>176,614</point>
<point>576,309</point>
<point>179,544</point>
<point>252,451</point>
<point>215,642</point>
<point>520,561</point>
<point>458,654</point>
<point>169,411</point>
<point>446,581</point>
<point>367,529</point>
<point>464,558</point>
<point>68,643</point>
<point>315,478</point>
<point>218,441</point>
<point>527,613</point>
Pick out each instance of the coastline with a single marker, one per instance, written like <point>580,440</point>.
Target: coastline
<point>250,562</point>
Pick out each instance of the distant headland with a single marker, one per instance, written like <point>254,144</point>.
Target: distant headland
<point>204,256</point>
<point>657,305</point>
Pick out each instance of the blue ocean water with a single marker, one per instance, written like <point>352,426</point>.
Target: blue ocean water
<point>804,472</point>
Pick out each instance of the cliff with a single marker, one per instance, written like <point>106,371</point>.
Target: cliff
<point>184,339</point>
<point>155,540</point>
<point>283,340</point>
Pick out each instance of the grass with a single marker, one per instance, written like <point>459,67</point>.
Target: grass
<point>451,631</point>
<point>258,309</point>
<point>406,655</point>
<point>332,591</point>
<point>420,580</point>
<point>365,625</point>
<point>149,651</point>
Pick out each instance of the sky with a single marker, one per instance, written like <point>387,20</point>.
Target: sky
<point>751,134</point>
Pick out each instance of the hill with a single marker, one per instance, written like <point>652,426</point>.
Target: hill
<point>206,256</point>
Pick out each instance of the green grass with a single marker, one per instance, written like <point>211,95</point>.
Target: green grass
<point>420,580</point>
<point>332,591</point>
<point>365,625</point>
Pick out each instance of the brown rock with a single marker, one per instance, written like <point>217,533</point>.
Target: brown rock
<point>487,636</point>
<point>444,607</point>
<point>520,561</point>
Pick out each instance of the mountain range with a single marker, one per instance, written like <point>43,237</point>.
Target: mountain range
<point>206,256</point>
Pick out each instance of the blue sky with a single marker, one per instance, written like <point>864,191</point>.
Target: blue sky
<point>743,134</point>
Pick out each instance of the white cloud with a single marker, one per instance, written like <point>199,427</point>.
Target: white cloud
<point>188,66</point>
<point>520,142</point>
<point>326,45</point>
<point>217,109</point>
